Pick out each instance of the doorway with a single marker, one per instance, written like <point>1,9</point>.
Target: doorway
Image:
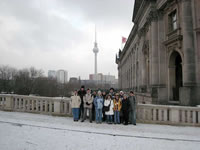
<point>175,76</point>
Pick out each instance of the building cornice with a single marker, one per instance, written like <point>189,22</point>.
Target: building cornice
<point>139,9</point>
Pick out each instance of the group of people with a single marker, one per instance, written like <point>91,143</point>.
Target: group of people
<point>110,107</point>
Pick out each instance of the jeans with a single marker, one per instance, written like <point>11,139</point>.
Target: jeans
<point>117,117</point>
<point>75,112</point>
<point>98,115</point>
<point>85,113</point>
<point>133,117</point>
<point>109,118</point>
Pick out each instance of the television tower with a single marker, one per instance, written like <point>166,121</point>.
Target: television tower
<point>95,50</point>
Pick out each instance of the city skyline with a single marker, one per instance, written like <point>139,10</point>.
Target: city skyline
<point>60,34</point>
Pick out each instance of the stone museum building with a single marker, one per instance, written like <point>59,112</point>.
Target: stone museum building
<point>161,58</point>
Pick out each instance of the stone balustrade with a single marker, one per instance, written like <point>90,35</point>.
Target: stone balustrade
<point>146,113</point>
<point>35,104</point>
<point>167,114</point>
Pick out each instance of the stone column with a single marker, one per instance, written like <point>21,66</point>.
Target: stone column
<point>189,78</point>
<point>154,47</point>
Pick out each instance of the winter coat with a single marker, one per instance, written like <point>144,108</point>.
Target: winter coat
<point>125,104</point>
<point>98,102</point>
<point>88,99</point>
<point>81,94</point>
<point>132,101</point>
<point>117,105</point>
<point>107,103</point>
<point>76,101</point>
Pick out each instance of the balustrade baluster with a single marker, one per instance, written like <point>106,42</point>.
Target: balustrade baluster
<point>65,107</point>
<point>41,106</point>
<point>33,105</point>
<point>50,106</point>
<point>165,115</point>
<point>188,116</point>
<point>160,118</point>
<point>148,114</point>
<point>154,114</point>
<point>15,103</point>
<point>24,104</point>
<point>19,103</point>
<point>199,117</point>
<point>46,106</point>
<point>28,105</point>
<point>183,116</point>
<point>194,117</point>
<point>36,105</point>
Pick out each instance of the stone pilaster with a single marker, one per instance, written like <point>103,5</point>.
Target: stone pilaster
<point>188,93</point>
<point>144,64</point>
<point>189,78</point>
<point>154,48</point>
<point>161,50</point>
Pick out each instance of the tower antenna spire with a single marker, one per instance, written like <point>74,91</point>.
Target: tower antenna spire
<point>95,34</point>
<point>95,50</point>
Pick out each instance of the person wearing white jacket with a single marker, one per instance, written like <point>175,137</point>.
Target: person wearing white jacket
<point>109,110</point>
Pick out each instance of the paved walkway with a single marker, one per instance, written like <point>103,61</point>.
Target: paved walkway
<point>25,131</point>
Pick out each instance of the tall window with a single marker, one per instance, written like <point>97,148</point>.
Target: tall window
<point>173,21</point>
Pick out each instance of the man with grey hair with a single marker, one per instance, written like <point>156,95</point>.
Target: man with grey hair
<point>88,102</point>
<point>132,108</point>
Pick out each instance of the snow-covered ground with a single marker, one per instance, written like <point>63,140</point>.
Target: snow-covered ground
<point>25,131</point>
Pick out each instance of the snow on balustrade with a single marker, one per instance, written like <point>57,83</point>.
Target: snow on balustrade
<point>147,113</point>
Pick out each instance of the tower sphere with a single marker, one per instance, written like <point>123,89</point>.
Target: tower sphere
<point>95,50</point>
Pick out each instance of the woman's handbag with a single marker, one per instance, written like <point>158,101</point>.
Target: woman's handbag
<point>106,108</point>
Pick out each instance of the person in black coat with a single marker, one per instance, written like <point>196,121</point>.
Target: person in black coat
<point>125,109</point>
<point>104,98</point>
<point>94,94</point>
<point>81,93</point>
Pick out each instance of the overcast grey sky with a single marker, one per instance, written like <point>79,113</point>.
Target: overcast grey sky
<point>59,34</point>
